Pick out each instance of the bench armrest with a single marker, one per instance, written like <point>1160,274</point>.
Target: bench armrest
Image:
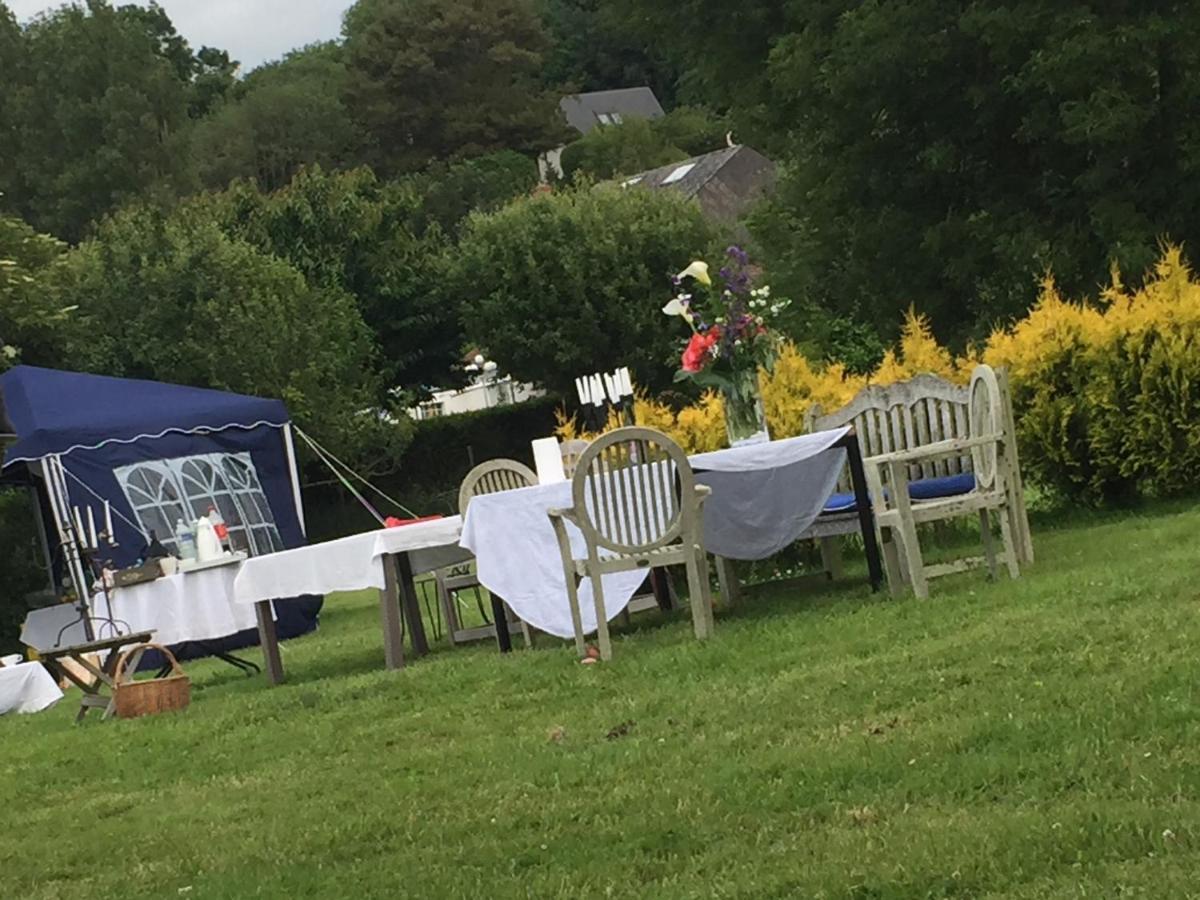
<point>951,447</point>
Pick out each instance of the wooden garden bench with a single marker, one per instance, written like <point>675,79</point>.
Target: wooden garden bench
<point>902,417</point>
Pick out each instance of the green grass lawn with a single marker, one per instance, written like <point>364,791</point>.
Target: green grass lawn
<point>1029,739</point>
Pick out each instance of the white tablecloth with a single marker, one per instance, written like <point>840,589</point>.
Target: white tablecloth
<point>186,606</point>
<point>350,563</point>
<point>27,688</point>
<point>764,497</point>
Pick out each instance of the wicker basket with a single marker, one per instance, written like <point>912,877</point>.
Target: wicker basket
<point>152,695</point>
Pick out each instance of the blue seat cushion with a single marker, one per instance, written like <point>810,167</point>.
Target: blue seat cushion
<point>925,489</point>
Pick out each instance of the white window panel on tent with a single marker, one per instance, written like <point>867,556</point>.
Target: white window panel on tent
<point>164,491</point>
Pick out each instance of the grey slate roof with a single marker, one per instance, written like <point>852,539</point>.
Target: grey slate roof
<point>583,111</point>
<point>724,182</point>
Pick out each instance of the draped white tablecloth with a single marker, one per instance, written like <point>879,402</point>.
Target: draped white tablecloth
<point>350,563</point>
<point>27,688</point>
<point>763,498</point>
<point>186,606</point>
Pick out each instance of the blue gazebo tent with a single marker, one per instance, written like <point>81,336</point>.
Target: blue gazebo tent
<point>156,453</point>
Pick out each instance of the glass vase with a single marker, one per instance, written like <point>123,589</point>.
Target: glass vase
<point>745,420</point>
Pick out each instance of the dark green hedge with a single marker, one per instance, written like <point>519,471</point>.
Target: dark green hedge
<point>442,451</point>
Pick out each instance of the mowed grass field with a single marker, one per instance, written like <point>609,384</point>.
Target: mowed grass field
<point>1031,739</point>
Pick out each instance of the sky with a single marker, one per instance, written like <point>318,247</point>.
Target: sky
<point>253,31</point>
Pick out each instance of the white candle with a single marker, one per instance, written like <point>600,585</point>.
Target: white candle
<point>610,388</point>
<point>626,382</point>
<point>94,541</point>
<point>108,526</point>
<point>547,459</point>
<point>581,390</point>
<point>597,391</point>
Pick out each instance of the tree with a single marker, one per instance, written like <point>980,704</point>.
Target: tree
<point>947,154</point>
<point>33,326</point>
<point>636,145</point>
<point>593,48</point>
<point>284,115</point>
<point>449,193</point>
<point>172,297</point>
<point>96,110</point>
<point>562,284</point>
<point>349,233</point>
<point>625,149</point>
<point>442,79</point>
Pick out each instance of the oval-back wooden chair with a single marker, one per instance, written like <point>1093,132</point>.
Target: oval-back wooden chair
<point>571,451</point>
<point>486,478</point>
<point>637,504</point>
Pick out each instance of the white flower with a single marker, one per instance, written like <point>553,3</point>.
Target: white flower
<point>698,270</point>
<point>677,306</point>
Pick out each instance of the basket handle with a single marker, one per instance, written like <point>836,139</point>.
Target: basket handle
<point>176,669</point>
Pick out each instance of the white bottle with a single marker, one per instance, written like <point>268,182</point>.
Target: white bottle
<point>185,541</point>
<point>208,545</point>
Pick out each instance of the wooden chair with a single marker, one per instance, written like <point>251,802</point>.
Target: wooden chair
<point>905,416</point>
<point>486,478</point>
<point>571,451</point>
<point>988,446</point>
<point>636,501</point>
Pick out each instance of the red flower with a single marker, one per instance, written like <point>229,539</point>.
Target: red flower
<point>696,354</point>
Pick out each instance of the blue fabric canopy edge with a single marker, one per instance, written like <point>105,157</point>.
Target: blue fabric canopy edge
<point>53,411</point>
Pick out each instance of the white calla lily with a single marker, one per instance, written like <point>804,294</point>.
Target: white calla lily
<point>697,270</point>
<point>677,307</point>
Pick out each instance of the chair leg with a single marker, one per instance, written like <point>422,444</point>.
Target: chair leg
<point>907,531</point>
<point>831,557</point>
<point>602,637</point>
<point>892,565</point>
<point>697,595</point>
<point>1010,550</point>
<point>989,546</point>
<point>576,619</point>
<point>448,602</point>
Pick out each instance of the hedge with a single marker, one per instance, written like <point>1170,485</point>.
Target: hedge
<point>441,453</point>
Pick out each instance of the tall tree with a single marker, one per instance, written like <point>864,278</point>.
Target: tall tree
<point>96,112</point>
<point>439,79</point>
<point>947,153</point>
<point>593,48</point>
<point>350,233</point>
<point>282,116</point>
<point>561,284</point>
<point>172,297</point>
<point>1037,135</point>
<point>33,326</point>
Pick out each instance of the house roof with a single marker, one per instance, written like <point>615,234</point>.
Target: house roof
<point>724,181</point>
<point>583,111</point>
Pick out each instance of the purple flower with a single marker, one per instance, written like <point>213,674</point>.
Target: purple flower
<point>738,254</point>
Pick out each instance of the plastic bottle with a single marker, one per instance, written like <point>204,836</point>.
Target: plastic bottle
<point>185,541</point>
<point>208,545</point>
<point>219,527</point>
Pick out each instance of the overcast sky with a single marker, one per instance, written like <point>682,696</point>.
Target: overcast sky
<point>253,31</point>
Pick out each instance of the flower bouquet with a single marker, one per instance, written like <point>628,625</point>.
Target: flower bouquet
<point>732,338</point>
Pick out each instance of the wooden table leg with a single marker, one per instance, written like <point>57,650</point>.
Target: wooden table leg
<point>862,502</point>
<point>660,585</point>
<point>389,611</point>
<point>500,617</point>
<point>268,639</point>
<point>410,604</point>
